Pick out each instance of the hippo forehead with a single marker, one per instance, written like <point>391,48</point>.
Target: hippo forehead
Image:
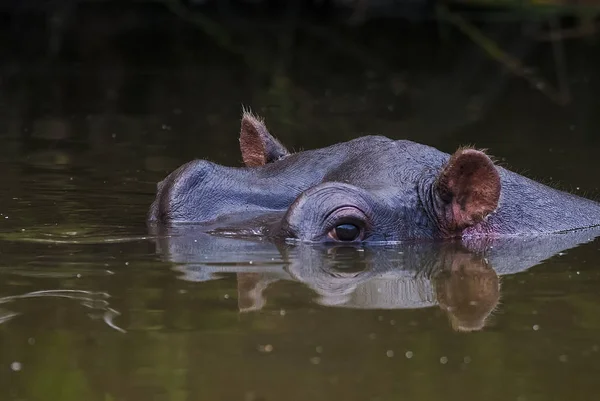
<point>369,161</point>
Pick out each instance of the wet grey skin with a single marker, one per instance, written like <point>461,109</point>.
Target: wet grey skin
<point>369,189</point>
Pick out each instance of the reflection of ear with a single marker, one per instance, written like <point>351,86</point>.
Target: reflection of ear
<point>469,185</point>
<point>258,146</point>
<point>468,290</point>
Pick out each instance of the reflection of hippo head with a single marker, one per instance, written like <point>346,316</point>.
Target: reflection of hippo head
<point>422,275</point>
<point>461,278</point>
<point>370,189</point>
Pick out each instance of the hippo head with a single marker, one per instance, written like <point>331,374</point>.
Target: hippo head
<point>368,189</point>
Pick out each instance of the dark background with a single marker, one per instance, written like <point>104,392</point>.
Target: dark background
<point>98,96</point>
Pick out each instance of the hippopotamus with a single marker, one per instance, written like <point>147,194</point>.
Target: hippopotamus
<point>370,189</point>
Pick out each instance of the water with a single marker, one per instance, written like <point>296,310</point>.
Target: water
<point>94,306</point>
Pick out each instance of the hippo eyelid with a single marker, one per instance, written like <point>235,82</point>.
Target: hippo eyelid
<point>348,206</point>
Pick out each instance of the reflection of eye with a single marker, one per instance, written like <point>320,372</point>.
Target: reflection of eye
<point>345,232</point>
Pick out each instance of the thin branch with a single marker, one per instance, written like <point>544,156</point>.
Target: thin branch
<point>513,64</point>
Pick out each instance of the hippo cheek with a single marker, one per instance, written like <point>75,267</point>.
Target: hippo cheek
<point>331,212</point>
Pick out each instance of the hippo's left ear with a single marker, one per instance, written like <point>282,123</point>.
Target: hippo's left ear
<point>469,186</point>
<point>258,146</point>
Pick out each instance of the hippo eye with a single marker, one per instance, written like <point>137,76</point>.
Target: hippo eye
<point>345,232</point>
<point>346,224</point>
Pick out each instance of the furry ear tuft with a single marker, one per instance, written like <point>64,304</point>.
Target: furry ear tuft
<point>258,146</point>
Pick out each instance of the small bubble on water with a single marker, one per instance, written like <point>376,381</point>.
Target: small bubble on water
<point>319,349</point>
<point>315,360</point>
<point>265,348</point>
<point>372,336</point>
<point>380,318</point>
<point>16,366</point>
<point>251,262</point>
<point>408,354</point>
<point>226,296</point>
<point>443,360</point>
<point>595,348</point>
<point>31,340</point>
<point>536,327</point>
<point>467,359</point>
<point>282,312</point>
<point>561,253</point>
<point>126,263</point>
<point>392,322</point>
<point>389,353</point>
<point>563,358</point>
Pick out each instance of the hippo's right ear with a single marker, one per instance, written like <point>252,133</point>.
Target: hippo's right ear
<point>469,187</point>
<point>257,145</point>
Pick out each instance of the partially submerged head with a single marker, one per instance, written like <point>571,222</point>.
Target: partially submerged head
<point>368,189</point>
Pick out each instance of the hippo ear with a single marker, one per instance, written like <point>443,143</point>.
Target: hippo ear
<point>257,145</point>
<point>469,186</point>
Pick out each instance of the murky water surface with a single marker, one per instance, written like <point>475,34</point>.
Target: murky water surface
<point>94,306</point>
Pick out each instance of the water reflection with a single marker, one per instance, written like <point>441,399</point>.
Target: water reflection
<point>461,278</point>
